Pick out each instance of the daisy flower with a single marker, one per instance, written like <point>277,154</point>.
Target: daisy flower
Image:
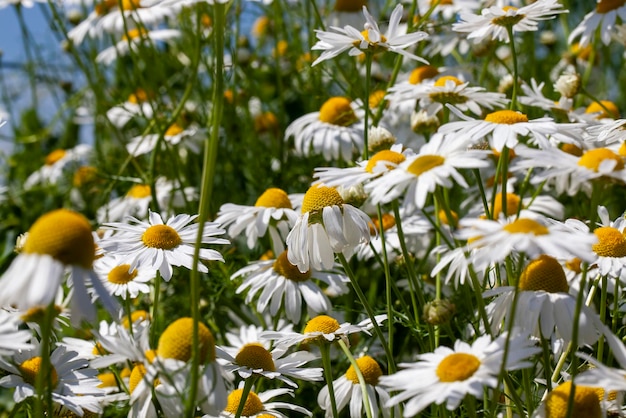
<point>57,163</point>
<point>58,241</point>
<point>335,131</point>
<point>119,280</point>
<point>544,306</point>
<point>604,18</point>
<point>435,164</point>
<point>254,358</point>
<point>258,405</point>
<point>348,390</point>
<point>73,384</point>
<point>610,133</point>
<point>12,338</point>
<point>327,226</point>
<point>449,89</point>
<point>273,213</point>
<point>134,40</point>
<point>175,135</point>
<point>137,104</point>
<point>493,21</point>
<point>609,378</point>
<point>503,128</point>
<point>447,375</point>
<point>370,39</point>
<point>280,283</point>
<point>449,9</point>
<point>159,246</point>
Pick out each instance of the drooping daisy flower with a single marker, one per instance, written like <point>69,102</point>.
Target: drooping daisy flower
<point>505,127</point>
<point>348,391</point>
<point>448,375</point>
<point>175,135</point>
<point>370,39</point>
<point>272,213</point>
<point>280,283</point>
<point>544,306</point>
<point>134,40</point>
<point>327,226</point>
<point>493,21</point>
<point>57,163</point>
<point>137,104</point>
<point>435,164</point>
<point>258,405</point>
<point>73,384</point>
<point>159,246</point>
<point>12,338</point>
<point>604,18</point>
<point>335,132</point>
<point>58,241</point>
<point>586,402</point>
<point>119,280</point>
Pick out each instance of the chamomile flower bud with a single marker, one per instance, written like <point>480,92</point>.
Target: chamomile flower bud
<point>568,85</point>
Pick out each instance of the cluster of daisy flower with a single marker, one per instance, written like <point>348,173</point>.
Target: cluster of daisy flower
<point>356,209</point>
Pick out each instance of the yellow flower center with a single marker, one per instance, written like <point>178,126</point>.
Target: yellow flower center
<point>137,375</point>
<point>174,129</point>
<point>65,236</point>
<point>337,111</point>
<point>605,109</point>
<point>55,156</point>
<point>30,369</point>
<point>252,406</point>
<point>107,5</point>
<point>134,34</point>
<point>526,226</point>
<point>318,197</point>
<point>622,150</point>
<point>369,368</point>
<point>366,35</point>
<point>586,402</point>
<point>425,163</point>
<point>98,350</point>
<point>593,158</point>
<point>266,122</point>
<point>121,274</point>
<point>572,149</point>
<point>255,356</point>
<point>442,2</point>
<point>150,355</point>
<point>136,316</point>
<point>175,342</point>
<point>139,96</point>
<point>384,155</point>
<point>441,81</point>
<point>443,217</point>
<point>38,313</point>
<point>283,267</point>
<point>107,380</point>
<point>387,222</point>
<point>423,73</point>
<point>139,191</point>
<point>351,6</point>
<point>508,20</point>
<point>544,273</point>
<point>321,323</point>
<point>605,6</point>
<point>457,367</point>
<point>84,175</point>
<point>574,265</point>
<point>376,98</point>
<point>274,198</point>
<point>163,237</point>
<point>611,242</point>
<point>261,26</point>
<point>506,117</point>
<point>512,205</point>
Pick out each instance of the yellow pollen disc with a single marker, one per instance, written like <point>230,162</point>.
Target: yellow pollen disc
<point>266,122</point>
<point>376,98</point>
<point>506,117</point>
<point>206,20</point>
<point>442,2</point>
<point>130,4</point>
<point>136,316</point>
<point>281,48</point>
<point>255,356</point>
<point>283,267</point>
<point>351,6</point>
<point>443,217</point>
<point>139,96</point>
<point>622,150</point>
<point>55,156</point>
<point>441,81</point>
<point>508,20</point>
<point>321,323</point>
<point>611,242</point>
<point>139,191</point>
<point>425,163</point>
<point>365,34</point>
<point>544,273</point>
<point>175,342</point>
<point>150,355</point>
<point>384,155</point>
<point>134,34</point>
<point>261,26</point>
<point>605,6</point>
<point>105,7</point>
<point>136,377</point>
<point>423,73</point>
<point>274,198</point>
<point>512,205</point>
<point>593,158</point>
<point>369,368</point>
<point>30,369</point>
<point>174,129</point>
<point>526,226</point>
<point>125,372</point>
<point>586,402</point>
<point>605,108</point>
<point>65,236</point>
<point>267,255</point>
<point>121,275</point>
<point>318,197</point>
<point>98,350</point>
<point>337,111</point>
<point>572,149</point>
<point>252,406</point>
<point>457,367</point>
<point>108,380</point>
<point>84,175</point>
<point>38,313</point>
<point>574,265</point>
<point>386,223</point>
<point>163,237</point>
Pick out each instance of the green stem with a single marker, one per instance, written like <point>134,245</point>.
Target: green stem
<point>247,387</point>
<point>388,283</point>
<point>366,103</point>
<point>155,328</point>
<point>43,382</point>
<point>359,375</point>
<point>513,105</point>
<point>328,375</point>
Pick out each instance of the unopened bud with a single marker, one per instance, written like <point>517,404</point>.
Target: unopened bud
<point>424,122</point>
<point>568,85</point>
<point>379,139</point>
<point>20,242</point>
<point>439,311</point>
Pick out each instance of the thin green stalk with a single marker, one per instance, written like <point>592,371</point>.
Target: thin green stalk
<point>328,375</point>
<point>43,382</point>
<point>603,299</point>
<point>247,387</point>
<point>155,328</point>
<point>574,358</point>
<point>388,282</point>
<point>366,103</point>
<point>359,375</point>
<point>513,104</point>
